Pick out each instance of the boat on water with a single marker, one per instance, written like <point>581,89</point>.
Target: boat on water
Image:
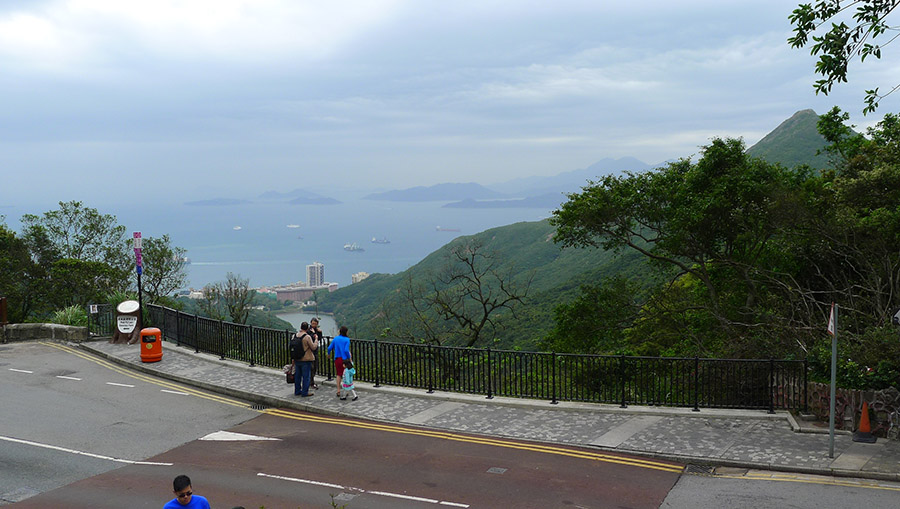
<point>382,240</point>
<point>236,228</point>
<point>293,226</point>
<point>353,247</point>
<point>442,229</point>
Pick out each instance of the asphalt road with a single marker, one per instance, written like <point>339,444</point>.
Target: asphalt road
<point>372,465</point>
<point>68,416</point>
<point>752,489</point>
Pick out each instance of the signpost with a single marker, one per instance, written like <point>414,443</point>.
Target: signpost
<point>139,265</point>
<point>832,329</point>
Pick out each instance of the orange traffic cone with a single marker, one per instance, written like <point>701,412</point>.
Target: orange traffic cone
<point>864,432</point>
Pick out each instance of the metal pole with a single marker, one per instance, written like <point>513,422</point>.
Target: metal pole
<point>833,382</point>
<point>376,362</point>
<point>771,385</point>
<point>696,384</point>
<point>490,393</point>
<point>553,378</point>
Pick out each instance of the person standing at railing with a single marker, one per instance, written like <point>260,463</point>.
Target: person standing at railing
<point>340,348</point>
<point>316,334</point>
<point>303,347</point>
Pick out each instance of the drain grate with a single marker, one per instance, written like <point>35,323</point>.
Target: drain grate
<point>700,470</point>
<point>259,407</point>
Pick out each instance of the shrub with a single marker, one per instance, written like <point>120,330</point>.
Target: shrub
<point>72,315</point>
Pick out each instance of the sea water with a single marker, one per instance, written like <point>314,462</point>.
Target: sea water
<point>253,240</point>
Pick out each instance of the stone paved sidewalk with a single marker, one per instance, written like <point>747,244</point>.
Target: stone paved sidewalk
<point>736,438</point>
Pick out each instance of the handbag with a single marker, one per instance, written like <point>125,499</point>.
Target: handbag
<point>289,372</point>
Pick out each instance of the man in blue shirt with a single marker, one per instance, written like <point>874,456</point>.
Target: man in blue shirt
<point>184,496</point>
<point>340,347</point>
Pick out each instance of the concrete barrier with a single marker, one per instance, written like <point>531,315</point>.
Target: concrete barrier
<point>32,331</point>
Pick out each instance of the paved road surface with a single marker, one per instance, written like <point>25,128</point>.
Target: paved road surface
<point>58,406</point>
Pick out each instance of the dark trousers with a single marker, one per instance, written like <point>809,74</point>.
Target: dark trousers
<point>301,377</point>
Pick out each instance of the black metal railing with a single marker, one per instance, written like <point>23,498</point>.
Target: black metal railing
<point>664,381</point>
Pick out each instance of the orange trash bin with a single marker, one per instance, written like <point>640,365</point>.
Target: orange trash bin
<point>151,345</point>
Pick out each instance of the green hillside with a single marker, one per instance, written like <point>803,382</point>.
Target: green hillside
<point>796,141</point>
<point>527,249</point>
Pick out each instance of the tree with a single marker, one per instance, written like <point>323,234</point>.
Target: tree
<point>714,228</point>
<point>231,298</point>
<point>80,254</point>
<point>20,276</point>
<point>842,43</point>
<point>596,320</point>
<point>462,302</point>
<point>163,268</point>
<point>82,233</point>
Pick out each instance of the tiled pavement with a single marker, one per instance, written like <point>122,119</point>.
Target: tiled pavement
<point>737,438</point>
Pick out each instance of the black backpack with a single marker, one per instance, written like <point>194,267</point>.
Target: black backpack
<point>297,349</point>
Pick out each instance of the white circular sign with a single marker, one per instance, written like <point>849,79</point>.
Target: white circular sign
<point>128,306</point>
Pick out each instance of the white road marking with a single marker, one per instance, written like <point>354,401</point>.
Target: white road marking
<point>175,392</point>
<point>360,490</point>
<point>119,385</point>
<point>21,370</point>
<point>68,378</point>
<point>82,453</point>
<point>228,436</point>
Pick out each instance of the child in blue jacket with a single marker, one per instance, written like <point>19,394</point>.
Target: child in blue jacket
<point>347,386</point>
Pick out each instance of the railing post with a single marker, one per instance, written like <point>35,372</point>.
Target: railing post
<point>221,343</point>
<point>553,378</point>
<point>490,385</point>
<point>376,362</point>
<point>251,345</point>
<point>177,328</point>
<point>771,385</point>
<point>288,346</point>
<point>196,333</point>
<point>430,369</point>
<point>622,378</point>
<point>696,384</point>
<point>805,386</point>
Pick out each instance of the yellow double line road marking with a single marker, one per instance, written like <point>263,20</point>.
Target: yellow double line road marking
<point>547,449</point>
<point>442,435</point>
<point>147,378</point>
<point>780,477</point>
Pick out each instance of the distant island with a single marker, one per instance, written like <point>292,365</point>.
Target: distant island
<point>298,197</point>
<point>314,200</point>
<point>439,192</point>
<point>544,201</point>
<point>217,202</point>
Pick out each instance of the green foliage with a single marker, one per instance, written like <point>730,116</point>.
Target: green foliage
<point>21,279</point>
<point>596,320</point>
<point>71,315</point>
<point>164,268</point>
<point>868,361</point>
<point>838,45</point>
<point>715,229</point>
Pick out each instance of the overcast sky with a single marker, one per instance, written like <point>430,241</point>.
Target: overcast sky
<point>231,98</point>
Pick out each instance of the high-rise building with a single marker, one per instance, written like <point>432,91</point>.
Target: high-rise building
<point>315,274</point>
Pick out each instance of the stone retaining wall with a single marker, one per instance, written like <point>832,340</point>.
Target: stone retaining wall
<point>884,408</point>
<point>31,331</point>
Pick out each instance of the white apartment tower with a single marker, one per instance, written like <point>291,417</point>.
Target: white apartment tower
<point>315,274</point>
